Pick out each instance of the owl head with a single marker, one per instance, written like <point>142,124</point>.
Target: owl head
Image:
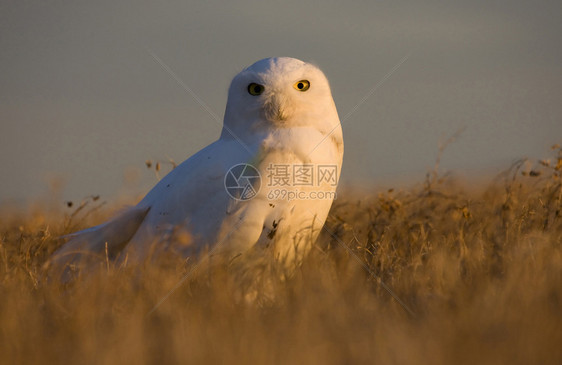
<point>279,92</point>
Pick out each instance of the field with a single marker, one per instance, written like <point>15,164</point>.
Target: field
<point>438,273</point>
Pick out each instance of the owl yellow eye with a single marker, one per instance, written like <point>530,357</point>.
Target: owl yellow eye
<point>255,89</point>
<point>302,85</point>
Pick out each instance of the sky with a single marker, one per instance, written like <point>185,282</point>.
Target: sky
<point>85,102</point>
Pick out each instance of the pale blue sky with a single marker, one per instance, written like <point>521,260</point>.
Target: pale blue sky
<point>82,98</point>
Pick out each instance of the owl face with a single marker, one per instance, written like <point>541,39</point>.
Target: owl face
<point>279,92</point>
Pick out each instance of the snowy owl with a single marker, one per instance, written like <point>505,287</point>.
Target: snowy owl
<point>268,181</point>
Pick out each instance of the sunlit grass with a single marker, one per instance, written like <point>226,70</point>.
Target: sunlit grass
<point>480,268</point>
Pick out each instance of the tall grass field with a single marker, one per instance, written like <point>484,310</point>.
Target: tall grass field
<point>437,273</point>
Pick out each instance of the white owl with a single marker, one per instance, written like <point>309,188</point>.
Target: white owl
<point>268,181</point>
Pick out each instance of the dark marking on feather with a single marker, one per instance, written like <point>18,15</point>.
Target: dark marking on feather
<point>271,233</point>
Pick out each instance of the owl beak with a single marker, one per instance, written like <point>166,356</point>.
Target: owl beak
<point>276,108</point>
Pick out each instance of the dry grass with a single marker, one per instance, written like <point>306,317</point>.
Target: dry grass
<point>481,269</point>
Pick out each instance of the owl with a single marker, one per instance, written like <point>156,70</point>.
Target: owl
<point>266,184</point>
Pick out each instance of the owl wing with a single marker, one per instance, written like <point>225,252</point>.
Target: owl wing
<point>97,244</point>
<point>192,197</point>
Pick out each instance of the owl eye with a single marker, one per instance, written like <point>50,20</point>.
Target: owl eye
<point>302,85</point>
<point>255,89</point>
